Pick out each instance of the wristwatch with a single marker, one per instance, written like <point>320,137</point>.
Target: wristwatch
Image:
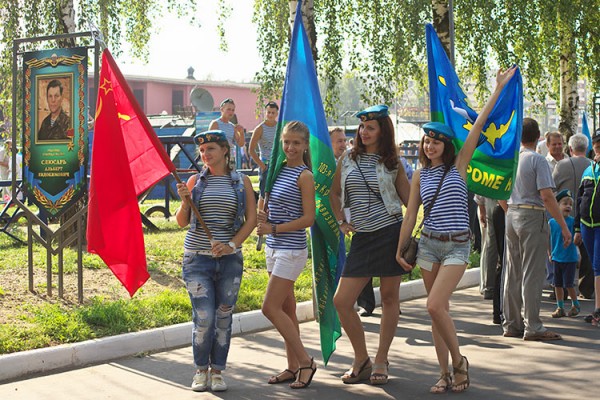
<point>340,222</point>
<point>232,245</point>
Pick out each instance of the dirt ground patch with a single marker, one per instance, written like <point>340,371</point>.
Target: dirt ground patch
<point>15,295</point>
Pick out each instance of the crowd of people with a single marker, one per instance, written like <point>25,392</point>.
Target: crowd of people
<point>370,186</point>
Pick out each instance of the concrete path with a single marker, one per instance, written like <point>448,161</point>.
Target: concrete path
<point>501,368</point>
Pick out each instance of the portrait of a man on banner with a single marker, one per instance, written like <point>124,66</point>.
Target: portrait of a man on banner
<point>54,108</point>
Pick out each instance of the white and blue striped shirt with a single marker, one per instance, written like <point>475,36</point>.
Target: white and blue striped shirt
<point>229,129</point>
<point>218,208</point>
<point>367,210</point>
<point>285,205</point>
<point>449,213</point>
<point>265,144</point>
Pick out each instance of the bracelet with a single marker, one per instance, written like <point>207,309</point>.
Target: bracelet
<point>273,230</point>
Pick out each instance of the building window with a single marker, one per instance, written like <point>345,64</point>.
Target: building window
<point>139,96</point>
<point>177,101</point>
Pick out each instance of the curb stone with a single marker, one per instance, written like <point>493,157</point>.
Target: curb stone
<point>22,364</point>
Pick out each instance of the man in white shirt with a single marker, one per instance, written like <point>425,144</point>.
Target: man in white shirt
<point>555,149</point>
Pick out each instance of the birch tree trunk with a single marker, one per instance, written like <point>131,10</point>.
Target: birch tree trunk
<point>66,13</point>
<point>569,96</point>
<point>441,23</point>
<point>308,18</point>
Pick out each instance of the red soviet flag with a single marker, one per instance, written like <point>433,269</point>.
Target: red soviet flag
<point>127,158</point>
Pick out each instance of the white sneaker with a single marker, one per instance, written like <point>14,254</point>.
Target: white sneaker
<point>200,381</point>
<point>217,383</point>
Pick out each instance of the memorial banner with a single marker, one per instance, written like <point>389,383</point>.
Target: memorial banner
<point>55,127</point>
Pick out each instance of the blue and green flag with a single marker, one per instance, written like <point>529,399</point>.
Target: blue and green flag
<point>301,101</point>
<point>492,170</point>
<point>585,129</point>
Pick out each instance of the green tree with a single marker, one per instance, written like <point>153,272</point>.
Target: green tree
<point>121,21</point>
<point>555,42</point>
<point>382,43</point>
<point>379,41</point>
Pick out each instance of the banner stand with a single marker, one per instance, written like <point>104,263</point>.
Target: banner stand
<point>72,230</point>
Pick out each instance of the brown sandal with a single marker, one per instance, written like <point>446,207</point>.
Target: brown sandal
<point>439,388</point>
<point>364,373</point>
<point>463,369</point>
<point>378,378</point>
<point>279,378</point>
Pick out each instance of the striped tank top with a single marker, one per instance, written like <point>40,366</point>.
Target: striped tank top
<point>449,213</point>
<point>285,204</point>
<point>218,207</point>
<point>367,210</point>
<point>265,144</point>
<point>228,129</point>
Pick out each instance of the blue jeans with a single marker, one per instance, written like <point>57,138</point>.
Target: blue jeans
<point>213,285</point>
<point>262,180</point>
<point>591,241</point>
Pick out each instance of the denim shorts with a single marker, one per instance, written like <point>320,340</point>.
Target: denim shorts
<point>564,273</point>
<point>434,251</point>
<point>286,263</point>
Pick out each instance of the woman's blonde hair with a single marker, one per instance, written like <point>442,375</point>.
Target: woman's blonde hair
<point>301,128</point>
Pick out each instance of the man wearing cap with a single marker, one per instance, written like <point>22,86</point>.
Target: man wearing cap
<point>233,132</point>
<point>567,175</point>
<point>526,250</point>
<point>563,259</point>
<point>263,137</point>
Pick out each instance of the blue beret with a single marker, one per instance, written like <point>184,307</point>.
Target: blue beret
<point>210,137</point>
<point>562,194</point>
<point>439,131</point>
<point>373,112</point>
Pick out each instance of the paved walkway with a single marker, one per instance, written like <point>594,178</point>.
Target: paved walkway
<point>501,368</point>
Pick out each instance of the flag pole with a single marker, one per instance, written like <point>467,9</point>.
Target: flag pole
<point>259,242</point>
<point>189,201</point>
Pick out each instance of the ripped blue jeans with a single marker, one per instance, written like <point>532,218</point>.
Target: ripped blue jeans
<point>213,285</point>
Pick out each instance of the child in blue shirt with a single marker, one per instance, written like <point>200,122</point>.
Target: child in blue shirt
<point>564,259</point>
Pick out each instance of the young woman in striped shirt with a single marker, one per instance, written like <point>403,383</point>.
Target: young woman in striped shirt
<point>445,245</point>
<point>371,182</point>
<point>291,210</point>
<point>212,270</point>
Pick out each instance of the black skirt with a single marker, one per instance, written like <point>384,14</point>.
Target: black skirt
<point>374,253</point>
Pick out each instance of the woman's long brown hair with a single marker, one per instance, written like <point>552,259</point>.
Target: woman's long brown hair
<point>387,149</point>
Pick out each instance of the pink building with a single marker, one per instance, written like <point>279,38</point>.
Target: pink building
<point>159,95</point>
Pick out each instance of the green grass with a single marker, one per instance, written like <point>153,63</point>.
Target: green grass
<point>163,301</point>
